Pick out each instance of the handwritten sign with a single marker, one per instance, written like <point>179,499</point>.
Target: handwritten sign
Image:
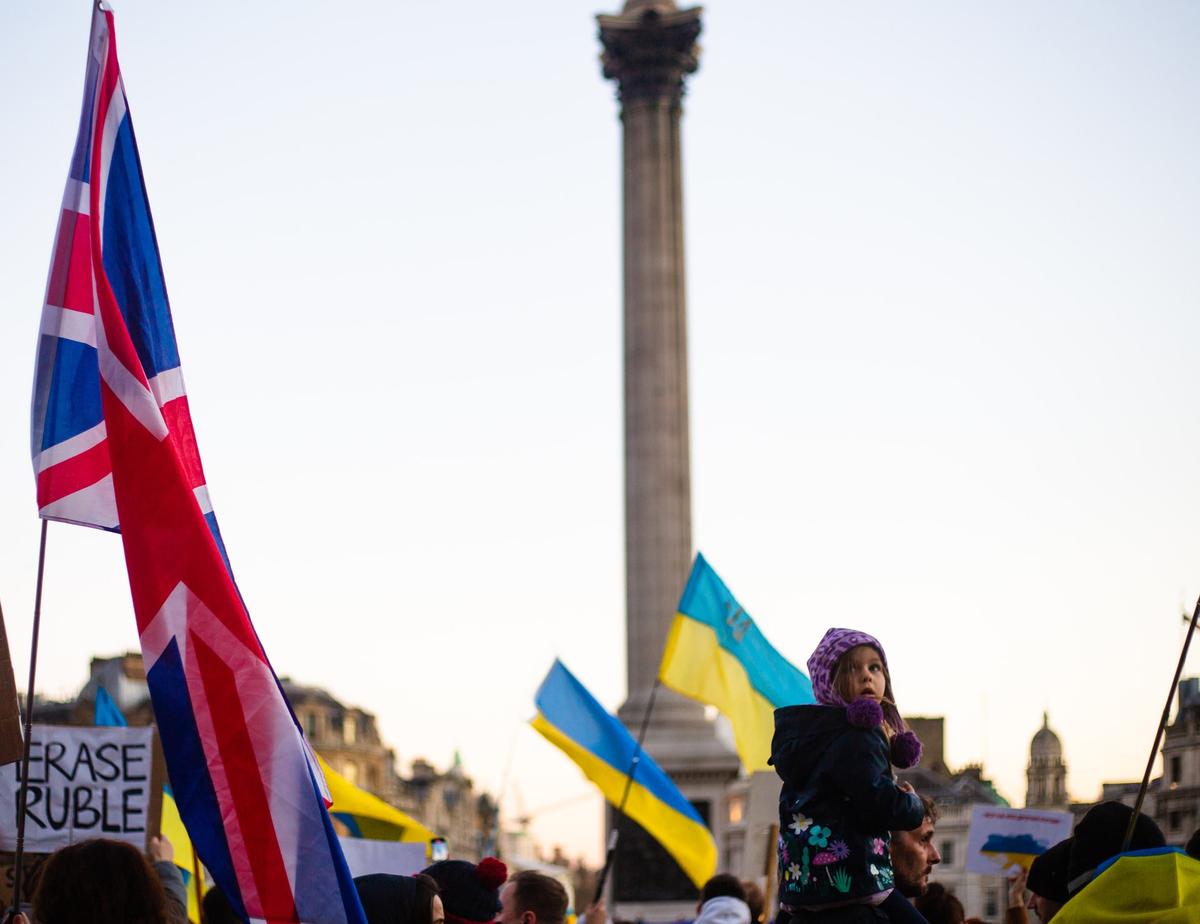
<point>83,782</point>
<point>1001,838</point>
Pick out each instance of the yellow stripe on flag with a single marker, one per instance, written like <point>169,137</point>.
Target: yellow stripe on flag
<point>172,828</point>
<point>376,819</point>
<point>690,844</point>
<point>695,664</point>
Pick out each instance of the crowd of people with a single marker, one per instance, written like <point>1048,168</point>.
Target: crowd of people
<point>855,846</point>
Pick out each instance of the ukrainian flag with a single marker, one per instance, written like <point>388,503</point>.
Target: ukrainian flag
<point>357,813</point>
<point>1160,885</point>
<point>716,654</point>
<point>571,719</point>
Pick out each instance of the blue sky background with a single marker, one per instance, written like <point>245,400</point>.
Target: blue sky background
<point>943,310</point>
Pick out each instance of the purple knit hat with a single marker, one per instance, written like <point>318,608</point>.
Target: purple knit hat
<point>906,746</point>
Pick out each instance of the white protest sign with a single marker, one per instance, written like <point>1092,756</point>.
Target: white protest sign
<point>1002,838</point>
<point>83,782</point>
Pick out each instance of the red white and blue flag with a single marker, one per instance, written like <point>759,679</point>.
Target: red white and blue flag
<point>113,447</point>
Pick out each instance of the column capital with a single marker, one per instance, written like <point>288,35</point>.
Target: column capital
<point>649,48</point>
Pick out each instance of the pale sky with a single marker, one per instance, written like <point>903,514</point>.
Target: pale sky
<point>943,317</point>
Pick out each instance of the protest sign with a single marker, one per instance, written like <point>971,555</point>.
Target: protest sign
<point>83,782</point>
<point>1002,839</point>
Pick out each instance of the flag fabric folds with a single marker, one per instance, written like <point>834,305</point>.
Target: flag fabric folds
<point>1159,885</point>
<point>247,785</point>
<point>368,816</point>
<point>107,711</point>
<point>571,719</point>
<point>69,437</point>
<point>716,654</point>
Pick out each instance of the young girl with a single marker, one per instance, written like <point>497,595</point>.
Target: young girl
<point>839,800</point>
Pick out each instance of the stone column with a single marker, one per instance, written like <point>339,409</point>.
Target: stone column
<point>649,48</point>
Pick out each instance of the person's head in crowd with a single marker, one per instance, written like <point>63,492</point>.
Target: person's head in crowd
<point>914,855</point>
<point>1193,845</point>
<point>470,892</point>
<point>217,909</point>
<point>723,901</point>
<point>1099,837</point>
<point>531,897</point>
<point>97,882</point>
<point>1047,882</point>
<point>390,899</point>
<point>755,900</point>
<point>939,905</point>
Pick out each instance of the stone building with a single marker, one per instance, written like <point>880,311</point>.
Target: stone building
<point>1172,799</point>
<point>346,737</point>
<point>1046,774</point>
<point>447,803</point>
<point>1177,806</point>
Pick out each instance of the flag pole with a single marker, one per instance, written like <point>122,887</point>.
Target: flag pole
<point>611,854</point>
<point>1141,796</point>
<point>23,791</point>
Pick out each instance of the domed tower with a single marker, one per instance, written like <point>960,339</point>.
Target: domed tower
<point>1046,774</point>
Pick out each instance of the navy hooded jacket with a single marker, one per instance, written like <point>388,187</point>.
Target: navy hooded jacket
<point>837,806</point>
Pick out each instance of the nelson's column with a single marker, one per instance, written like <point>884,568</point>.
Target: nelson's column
<point>649,48</point>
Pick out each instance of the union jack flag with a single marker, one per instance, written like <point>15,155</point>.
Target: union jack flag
<point>113,447</point>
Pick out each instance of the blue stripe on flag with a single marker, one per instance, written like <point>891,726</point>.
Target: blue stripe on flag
<point>707,600</point>
<point>131,259</point>
<point>569,707</point>
<point>81,160</point>
<point>193,788</point>
<point>73,404</point>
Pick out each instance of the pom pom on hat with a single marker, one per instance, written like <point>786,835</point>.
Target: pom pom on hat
<point>470,893</point>
<point>491,873</point>
<point>864,713</point>
<point>906,750</point>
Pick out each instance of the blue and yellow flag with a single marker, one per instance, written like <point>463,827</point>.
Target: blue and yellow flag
<point>357,813</point>
<point>571,719</point>
<point>716,654</point>
<point>1160,885</point>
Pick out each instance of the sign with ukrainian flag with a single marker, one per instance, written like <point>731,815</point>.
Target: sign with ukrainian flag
<point>717,655</point>
<point>571,719</point>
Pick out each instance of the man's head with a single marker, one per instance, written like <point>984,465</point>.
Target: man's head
<point>532,898</point>
<point>470,892</point>
<point>1047,881</point>
<point>914,855</point>
<point>1100,835</point>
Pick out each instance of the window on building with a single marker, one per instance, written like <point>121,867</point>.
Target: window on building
<point>1174,821</point>
<point>350,771</point>
<point>737,810</point>
<point>335,724</point>
<point>1176,769</point>
<point>310,724</point>
<point>350,732</point>
<point>947,852</point>
<point>991,903</point>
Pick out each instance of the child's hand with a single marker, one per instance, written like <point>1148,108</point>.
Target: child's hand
<point>905,786</point>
